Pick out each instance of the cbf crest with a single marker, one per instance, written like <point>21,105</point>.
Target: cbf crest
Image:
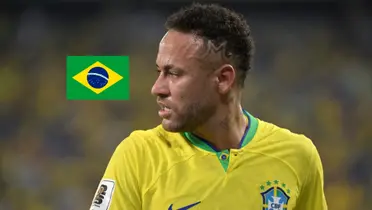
<point>275,195</point>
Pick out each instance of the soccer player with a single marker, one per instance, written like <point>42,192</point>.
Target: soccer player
<point>209,152</point>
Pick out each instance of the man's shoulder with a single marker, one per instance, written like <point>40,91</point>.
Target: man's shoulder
<point>155,149</point>
<point>150,139</point>
<point>149,135</point>
<point>295,149</point>
<point>276,135</point>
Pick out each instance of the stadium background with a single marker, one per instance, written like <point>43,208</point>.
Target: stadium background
<point>312,74</point>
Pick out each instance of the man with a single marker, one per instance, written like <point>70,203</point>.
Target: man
<point>209,153</point>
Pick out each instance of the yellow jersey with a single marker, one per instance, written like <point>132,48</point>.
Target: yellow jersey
<point>274,169</point>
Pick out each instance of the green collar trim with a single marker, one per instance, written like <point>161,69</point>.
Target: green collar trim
<point>249,133</point>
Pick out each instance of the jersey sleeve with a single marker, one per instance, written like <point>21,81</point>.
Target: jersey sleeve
<point>118,188</point>
<point>312,192</point>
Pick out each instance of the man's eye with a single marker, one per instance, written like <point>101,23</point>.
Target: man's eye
<point>168,73</point>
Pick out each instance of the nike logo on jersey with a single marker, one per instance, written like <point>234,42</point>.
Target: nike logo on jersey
<point>185,207</point>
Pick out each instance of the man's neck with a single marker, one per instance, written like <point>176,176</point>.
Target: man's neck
<point>225,129</point>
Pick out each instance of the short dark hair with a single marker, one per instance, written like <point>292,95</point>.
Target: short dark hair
<point>218,25</point>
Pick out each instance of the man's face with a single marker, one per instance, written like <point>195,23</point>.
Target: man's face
<point>186,87</point>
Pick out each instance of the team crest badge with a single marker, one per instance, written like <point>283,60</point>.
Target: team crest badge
<point>275,195</point>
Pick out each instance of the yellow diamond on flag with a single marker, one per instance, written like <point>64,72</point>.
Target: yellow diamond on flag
<point>97,77</point>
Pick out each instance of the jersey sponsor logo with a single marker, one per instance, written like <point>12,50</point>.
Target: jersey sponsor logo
<point>102,198</point>
<point>275,195</point>
<point>185,207</point>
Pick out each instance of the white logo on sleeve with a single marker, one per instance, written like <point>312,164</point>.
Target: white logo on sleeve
<point>102,199</point>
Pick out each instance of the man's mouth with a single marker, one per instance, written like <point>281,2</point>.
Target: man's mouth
<point>164,108</point>
<point>164,111</point>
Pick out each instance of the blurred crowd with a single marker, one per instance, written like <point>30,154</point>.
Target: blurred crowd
<point>312,74</point>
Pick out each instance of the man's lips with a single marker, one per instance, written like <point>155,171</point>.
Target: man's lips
<point>165,111</point>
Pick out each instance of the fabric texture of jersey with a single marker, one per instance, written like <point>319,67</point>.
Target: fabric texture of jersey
<point>274,169</point>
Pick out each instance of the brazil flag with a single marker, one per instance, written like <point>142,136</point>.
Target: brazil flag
<point>97,78</point>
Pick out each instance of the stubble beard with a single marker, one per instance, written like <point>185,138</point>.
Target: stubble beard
<point>194,116</point>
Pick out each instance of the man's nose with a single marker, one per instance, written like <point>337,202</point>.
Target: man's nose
<point>160,87</point>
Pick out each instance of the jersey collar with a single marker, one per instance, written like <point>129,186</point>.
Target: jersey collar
<point>249,133</point>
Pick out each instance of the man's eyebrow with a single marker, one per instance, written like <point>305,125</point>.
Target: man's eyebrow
<point>169,67</point>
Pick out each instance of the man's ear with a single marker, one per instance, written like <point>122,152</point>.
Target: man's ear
<point>225,78</point>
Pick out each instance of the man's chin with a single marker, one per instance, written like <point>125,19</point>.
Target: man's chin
<point>172,126</point>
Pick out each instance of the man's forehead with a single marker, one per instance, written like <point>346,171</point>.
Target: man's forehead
<point>185,44</point>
